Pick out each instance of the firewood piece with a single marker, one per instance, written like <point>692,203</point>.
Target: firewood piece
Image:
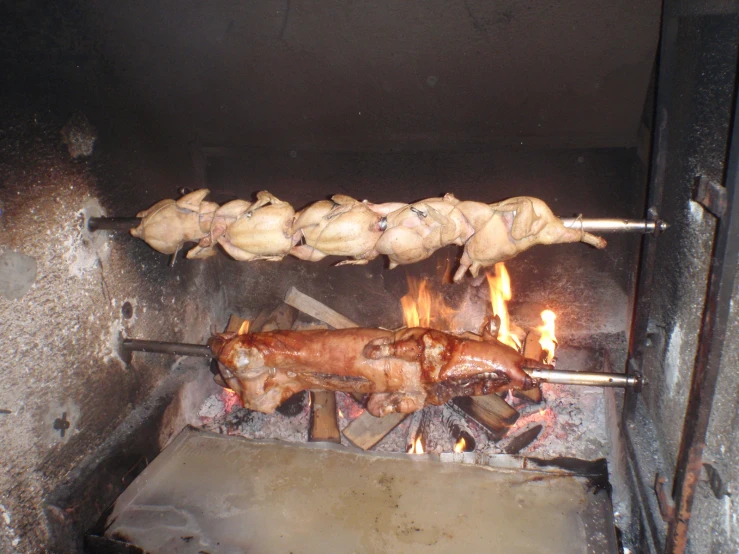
<point>234,323</point>
<point>416,428</point>
<point>522,440</point>
<point>491,411</point>
<point>323,424</point>
<point>367,430</point>
<point>534,395</point>
<point>282,317</point>
<point>531,349</point>
<point>318,310</point>
<point>458,429</point>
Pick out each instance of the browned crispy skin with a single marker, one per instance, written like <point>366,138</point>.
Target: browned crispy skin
<point>402,371</point>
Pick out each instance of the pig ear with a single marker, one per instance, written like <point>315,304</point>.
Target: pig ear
<point>192,200</point>
<point>449,197</point>
<point>525,223</point>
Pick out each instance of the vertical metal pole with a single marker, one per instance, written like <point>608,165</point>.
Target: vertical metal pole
<point>643,300</point>
<point>664,92</point>
<point>721,279</point>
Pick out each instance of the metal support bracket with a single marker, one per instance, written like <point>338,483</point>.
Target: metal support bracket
<point>710,195</point>
<point>664,499</point>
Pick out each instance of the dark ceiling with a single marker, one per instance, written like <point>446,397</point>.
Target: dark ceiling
<point>349,74</point>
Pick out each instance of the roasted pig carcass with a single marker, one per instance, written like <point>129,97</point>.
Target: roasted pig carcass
<point>505,229</point>
<point>401,371</point>
<point>168,224</point>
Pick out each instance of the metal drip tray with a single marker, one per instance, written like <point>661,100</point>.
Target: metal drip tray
<point>214,493</point>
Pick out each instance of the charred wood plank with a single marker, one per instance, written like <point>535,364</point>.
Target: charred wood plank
<point>531,349</point>
<point>492,412</point>
<point>459,430</point>
<point>367,430</point>
<point>318,310</point>
<point>324,426</point>
<point>522,440</point>
<point>282,317</point>
<point>234,323</point>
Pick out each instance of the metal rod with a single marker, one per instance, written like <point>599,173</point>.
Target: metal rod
<point>587,378</point>
<point>607,225</point>
<point>549,375</point>
<point>615,225</point>
<point>112,223</point>
<point>177,348</point>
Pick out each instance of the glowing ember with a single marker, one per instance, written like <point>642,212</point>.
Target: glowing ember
<point>500,293</point>
<point>461,445</point>
<point>548,341</point>
<point>230,400</point>
<point>244,329</point>
<point>417,447</point>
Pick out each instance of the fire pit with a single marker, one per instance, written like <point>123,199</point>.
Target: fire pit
<point>179,185</point>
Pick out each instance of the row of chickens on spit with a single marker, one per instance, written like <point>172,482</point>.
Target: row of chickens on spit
<point>270,229</point>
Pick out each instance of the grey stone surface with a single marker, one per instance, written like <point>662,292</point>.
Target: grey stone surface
<point>60,340</point>
<point>17,274</point>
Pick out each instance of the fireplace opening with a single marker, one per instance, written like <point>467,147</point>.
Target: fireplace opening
<point>294,276</point>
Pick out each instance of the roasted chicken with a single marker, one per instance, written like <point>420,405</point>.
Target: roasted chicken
<point>169,224</point>
<point>506,229</point>
<point>401,371</point>
<point>269,229</point>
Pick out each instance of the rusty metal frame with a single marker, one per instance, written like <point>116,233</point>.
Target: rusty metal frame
<point>721,279</point>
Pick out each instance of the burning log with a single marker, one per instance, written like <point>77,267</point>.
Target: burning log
<point>532,349</point>
<point>460,432</point>
<point>523,440</point>
<point>416,437</point>
<point>492,412</point>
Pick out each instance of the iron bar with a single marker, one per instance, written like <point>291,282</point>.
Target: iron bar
<point>549,375</point>
<point>615,225</point>
<point>177,348</point>
<point>707,365</point>
<point>584,378</point>
<point>605,225</point>
<point>112,223</point>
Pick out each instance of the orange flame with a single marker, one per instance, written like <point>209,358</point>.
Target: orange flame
<point>418,303</point>
<point>244,329</point>
<point>548,341</point>
<point>461,445</point>
<point>500,293</point>
<point>417,447</point>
